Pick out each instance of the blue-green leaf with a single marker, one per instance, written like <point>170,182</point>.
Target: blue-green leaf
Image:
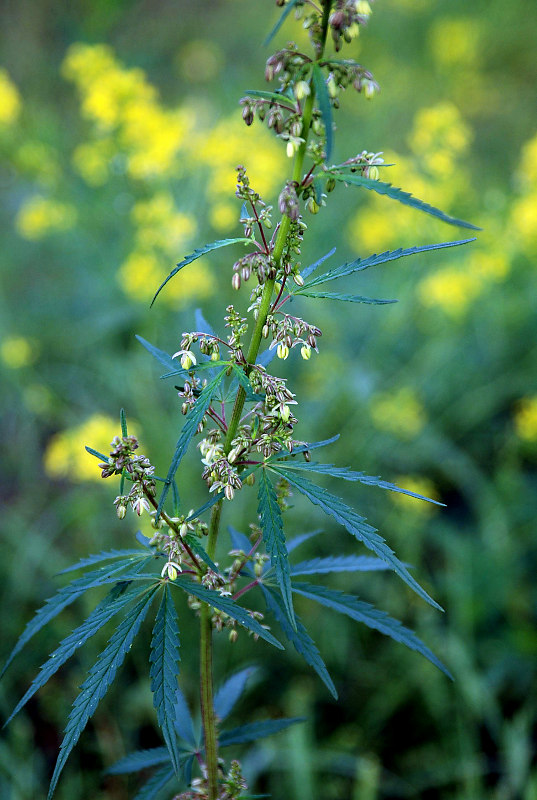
<point>183,719</point>
<point>328,564</point>
<point>350,475</point>
<point>103,556</point>
<point>324,107</point>
<point>360,264</point>
<point>273,97</point>
<point>300,638</point>
<point>348,298</point>
<point>163,358</point>
<point>197,254</point>
<point>194,543</point>
<point>215,497</point>
<point>63,598</point>
<point>156,782</point>
<point>190,427</point>
<point>284,455</point>
<point>256,730</point>
<point>123,421</point>
<point>356,525</point>
<point>398,194</point>
<point>140,759</point>
<point>202,325</point>
<point>230,692</point>
<point>244,381</point>
<point>239,541</point>
<point>312,267</point>
<point>273,536</point>
<point>99,679</point>
<point>96,453</point>
<point>164,669</point>
<point>227,605</point>
<point>283,16</point>
<point>115,601</point>
<point>296,541</point>
<point>370,616</point>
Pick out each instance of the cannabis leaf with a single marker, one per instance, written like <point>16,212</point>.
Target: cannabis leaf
<point>329,564</point>
<point>231,691</point>
<point>256,730</point>
<point>274,538</point>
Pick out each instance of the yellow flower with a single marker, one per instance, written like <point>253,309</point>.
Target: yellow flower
<point>524,220</point>
<point>449,289</point>
<point>65,455</point>
<point>439,138</point>
<point>455,42</point>
<point>40,216</point>
<point>528,163</point>
<point>526,419</point>
<point>17,352</point>
<point>400,413</point>
<point>224,216</point>
<point>91,161</point>
<point>161,226</point>
<point>418,485</point>
<point>142,273</point>
<point>10,102</point>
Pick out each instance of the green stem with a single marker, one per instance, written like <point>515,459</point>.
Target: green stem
<point>206,670</point>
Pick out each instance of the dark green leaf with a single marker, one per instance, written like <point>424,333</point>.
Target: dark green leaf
<point>215,497</point>
<point>283,455</point>
<point>123,421</point>
<point>288,8</point>
<point>164,660</point>
<point>273,536</point>
<point>300,638</point>
<point>155,783</point>
<point>162,357</point>
<point>99,679</point>
<point>280,99</point>
<point>402,197</point>
<point>140,759</point>
<point>183,719</point>
<point>115,601</point>
<point>239,541</point>
<point>370,616</point>
<point>324,107</point>
<point>323,566</point>
<point>348,298</point>
<point>296,541</point>
<point>256,730</point>
<point>96,453</point>
<point>230,692</point>
<point>176,499</point>
<point>190,427</point>
<point>197,254</point>
<point>227,605</point>
<point>194,544</point>
<point>244,381</point>
<point>103,556</point>
<point>356,525</point>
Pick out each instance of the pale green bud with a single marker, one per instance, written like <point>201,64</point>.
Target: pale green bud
<point>305,352</point>
<point>282,351</point>
<point>302,90</point>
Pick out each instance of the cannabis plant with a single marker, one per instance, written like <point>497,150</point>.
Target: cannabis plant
<point>242,418</point>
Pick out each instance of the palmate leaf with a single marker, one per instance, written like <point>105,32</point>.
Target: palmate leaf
<point>348,298</point>
<point>115,601</point>
<point>256,730</point>
<point>164,660</point>
<point>197,254</point>
<point>395,193</point>
<point>283,16</point>
<point>312,267</point>
<point>64,597</point>
<point>374,260</point>
<point>356,525</point>
<point>140,759</point>
<point>325,108</point>
<point>190,427</point>
<point>300,638</point>
<point>231,691</point>
<point>370,616</point>
<point>105,555</point>
<point>296,541</point>
<point>350,475</point>
<point>227,605</point>
<point>273,536</point>
<point>183,719</point>
<point>156,782</point>
<point>99,679</point>
<point>163,358</point>
<point>328,564</point>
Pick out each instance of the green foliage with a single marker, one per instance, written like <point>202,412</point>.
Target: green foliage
<point>324,107</point>
<point>256,730</point>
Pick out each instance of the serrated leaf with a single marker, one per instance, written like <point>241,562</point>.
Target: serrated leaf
<point>395,193</point>
<point>274,97</point>
<point>115,601</point>
<point>216,496</point>
<point>300,638</point>
<point>202,325</point>
<point>296,541</point>
<point>231,691</point>
<point>256,730</point>
<point>163,358</point>
<point>105,555</point>
<point>244,381</point>
<point>194,544</point>
<point>200,251</point>
<point>99,679</point>
<point>156,782</point>
<point>283,455</point>
<point>370,616</point>
<point>190,427</point>
<point>164,660</point>
<point>63,598</point>
<point>273,536</point>
<point>239,541</point>
<point>283,16</point>
<point>374,260</point>
<point>328,564</point>
<point>312,267</point>
<point>324,106</point>
<point>183,719</point>
<point>350,475</point>
<point>356,525</point>
<point>227,605</point>
<point>347,298</point>
<point>138,760</point>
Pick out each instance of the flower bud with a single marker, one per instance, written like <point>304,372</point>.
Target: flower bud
<point>372,173</point>
<point>172,572</point>
<point>184,409</point>
<point>248,114</point>
<point>285,413</point>
<point>250,480</point>
<point>266,331</point>
<point>183,530</point>
<point>305,352</point>
<point>302,90</point>
<point>236,281</point>
<point>332,87</point>
<point>370,89</point>
<point>298,279</point>
<point>330,184</point>
<point>282,351</point>
<point>215,355</point>
<point>121,510</point>
<point>229,492</point>
<point>233,636</point>
<point>363,8</point>
<point>312,205</point>
<point>186,361</point>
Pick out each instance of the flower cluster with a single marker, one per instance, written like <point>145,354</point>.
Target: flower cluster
<point>289,332</point>
<point>138,469</point>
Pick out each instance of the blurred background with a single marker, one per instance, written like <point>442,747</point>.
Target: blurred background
<point>119,134</point>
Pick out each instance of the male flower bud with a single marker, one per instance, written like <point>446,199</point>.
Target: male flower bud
<point>363,8</point>
<point>372,172</point>
<point>233,636</point>
<point>332,87</point>
<point>305,352</point>
<point>282,351</point>
<point>288,202</point>
<point>285,413</point>
<point>183,530</point>
<point>170,570</point>
<point>250,480</point>
<point>236,281</point>
<point>298,279</point>
<point>312,205</point>
<point>248,114</point>
<point>187,358</point>
<point>370,89</point>
<point>330,184</point>
<point>215,355</point>
<point>302,90</point>
<point>229,492</point>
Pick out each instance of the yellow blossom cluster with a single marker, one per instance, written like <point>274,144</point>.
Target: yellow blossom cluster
<point>400,413</point>
<point>419,485</point>
<point>65,455</point>
<point>526,419</point>
<point>17,352</point>
<point>439,138</point>
<point>524,209</point>
<point>455,42</point>
<point>40,216</point>
<point>10,101</point>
